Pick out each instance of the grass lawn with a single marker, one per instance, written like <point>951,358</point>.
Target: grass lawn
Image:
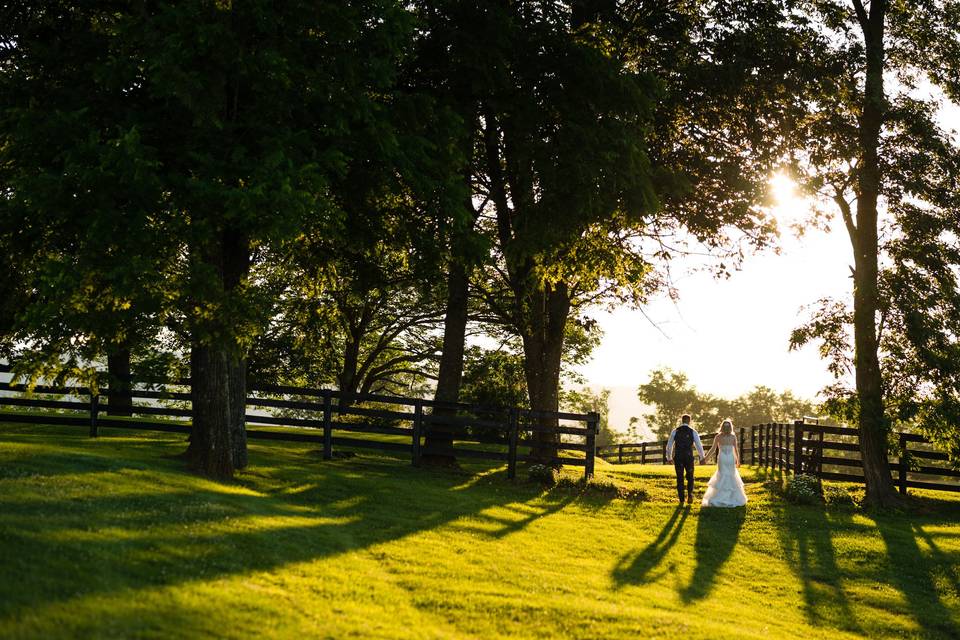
<point>110,538</point>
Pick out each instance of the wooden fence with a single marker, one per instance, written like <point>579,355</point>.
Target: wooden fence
<point>829,453</point>
<point>651,452</point>
<point>393,424</point>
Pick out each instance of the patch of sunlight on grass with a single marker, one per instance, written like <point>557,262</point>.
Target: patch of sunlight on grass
<point>484,474</point>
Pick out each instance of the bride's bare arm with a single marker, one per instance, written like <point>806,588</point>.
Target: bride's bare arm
<point>736,450</point>
<point>713,448</point>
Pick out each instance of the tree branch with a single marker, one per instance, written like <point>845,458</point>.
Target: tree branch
<point>847,215</point>
<point>862,16</point>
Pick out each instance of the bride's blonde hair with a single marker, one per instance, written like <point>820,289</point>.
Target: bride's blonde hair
<point>726,426</point>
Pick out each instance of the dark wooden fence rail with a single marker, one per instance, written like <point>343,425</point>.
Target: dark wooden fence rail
<point>369,421</point>
<point>653,452</point>
<point>829,453</point>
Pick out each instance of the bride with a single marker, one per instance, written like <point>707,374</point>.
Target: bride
<point>725,488</point>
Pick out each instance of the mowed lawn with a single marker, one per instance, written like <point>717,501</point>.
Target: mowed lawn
<point>109,538</point>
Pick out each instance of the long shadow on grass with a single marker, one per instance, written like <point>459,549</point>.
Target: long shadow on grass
<point>636,568</point>
<point>806,537</point>
<point>717,533</point>
<point>62,543</point>
<point>808,534</point>
<point>913,573</point>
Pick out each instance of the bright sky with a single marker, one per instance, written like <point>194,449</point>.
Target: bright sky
<point>729,335</point>
<point>732,334</point>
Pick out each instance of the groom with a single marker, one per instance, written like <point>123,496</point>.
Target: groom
<point>680,451</point>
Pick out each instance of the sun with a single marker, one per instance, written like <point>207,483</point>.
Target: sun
<point>783,187</point>
<point>789,206</point>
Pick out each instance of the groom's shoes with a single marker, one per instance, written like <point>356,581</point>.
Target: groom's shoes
<point>689,498</point>
<point>681,501</point>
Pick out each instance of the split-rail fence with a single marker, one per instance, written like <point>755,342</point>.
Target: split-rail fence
<point>395,424</point>
<point>829,453</point>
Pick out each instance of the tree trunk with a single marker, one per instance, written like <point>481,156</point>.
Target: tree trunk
<point>236,269</point>
<point>237,381</point>
<point>871,420</point>
<point>347,380</point>
<point>450,374</point>
<point>119,398</point>
<point>211,444</point>
<point>543,349</point>
<point>218,442</point>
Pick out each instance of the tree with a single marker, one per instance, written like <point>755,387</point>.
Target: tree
<point>494,378</point>
<point>672,395</point>
<point>80,200</point>
<point>563,167</point>
<point>872,148</point>
<point>239,133</point>
<point>588,401</point>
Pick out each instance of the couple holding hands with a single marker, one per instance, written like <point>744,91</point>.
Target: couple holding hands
<point>725,488</point>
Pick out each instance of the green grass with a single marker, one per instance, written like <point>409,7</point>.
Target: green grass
<point>110,538</point>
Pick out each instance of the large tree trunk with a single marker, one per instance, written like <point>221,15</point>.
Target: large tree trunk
<point>119,398</point>
<point>450,374</point>
<point>211,448</point>
<point>236,269</point>
<point>546,318</point>
<point>218,442</point>
<point>872,422</point>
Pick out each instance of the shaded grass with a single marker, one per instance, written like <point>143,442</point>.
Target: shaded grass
<point>110,538</point>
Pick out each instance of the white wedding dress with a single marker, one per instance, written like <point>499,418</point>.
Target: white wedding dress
<point>725,488</point>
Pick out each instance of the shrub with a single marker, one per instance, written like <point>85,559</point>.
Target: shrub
<point>842,496</point>
<point>544,474</point>
<point>601,487</point>
<point>803,489</point>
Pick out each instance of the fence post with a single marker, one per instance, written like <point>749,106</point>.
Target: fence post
<point>903,463</point>
<point>771,437</point>
<point>820,460</point>
<point>771,443</point>
<point>512,444</point>
<point>643,453</point>
<point>763,446</point>
<point>777,443</point>
<point>663,452</point>
<point>753,444</point>
<point>620,459</point>
<point>593,423</point>
<point>797,446</point>
<point>327,427</point>
<point>778,440</point>
<point>417,429</point>
<point>94,410</point>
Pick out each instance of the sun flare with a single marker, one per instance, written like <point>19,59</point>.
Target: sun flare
<point>789,206</point>
<point>783,187</point>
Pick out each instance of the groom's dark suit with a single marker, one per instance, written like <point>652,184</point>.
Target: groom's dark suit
<point>680,448</point>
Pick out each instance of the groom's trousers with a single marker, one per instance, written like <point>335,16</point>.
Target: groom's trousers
<point>684,465</point>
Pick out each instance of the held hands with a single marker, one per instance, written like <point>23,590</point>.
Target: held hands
<point>703,460</point>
